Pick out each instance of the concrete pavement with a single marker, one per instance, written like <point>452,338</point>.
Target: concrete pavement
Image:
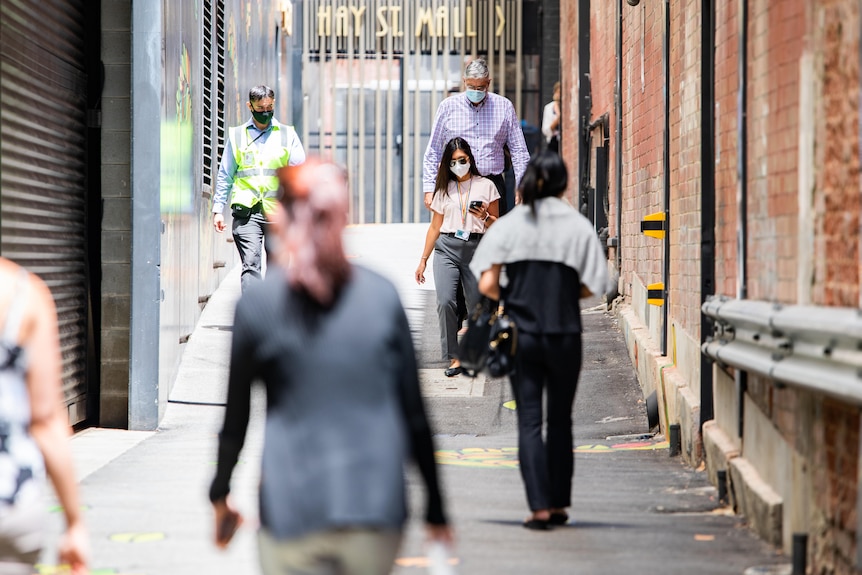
<point>635,508</point>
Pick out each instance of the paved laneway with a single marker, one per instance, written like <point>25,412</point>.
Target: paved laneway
<point>636,509</point>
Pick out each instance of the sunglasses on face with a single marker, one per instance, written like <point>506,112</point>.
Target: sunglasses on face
<point>461,161</point>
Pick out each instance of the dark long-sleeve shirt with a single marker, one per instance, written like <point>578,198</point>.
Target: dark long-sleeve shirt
<point>344,410</point>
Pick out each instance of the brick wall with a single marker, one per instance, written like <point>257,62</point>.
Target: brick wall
<point>726,145</point>
<point>603,25</point>
<point>117,218</point>
<point>685,166</point>
<point>833,28</point>
<point>643,121</point>
<point>803,185</point>
<point>834,475</point>
<point>775,47</point>
<point>836,201</point>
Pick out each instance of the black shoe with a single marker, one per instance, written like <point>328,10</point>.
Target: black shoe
<point>453,371</point>
<point>537,524</point>
<point>558,519</point>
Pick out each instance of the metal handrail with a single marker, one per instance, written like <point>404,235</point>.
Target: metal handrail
<point>812,347</point>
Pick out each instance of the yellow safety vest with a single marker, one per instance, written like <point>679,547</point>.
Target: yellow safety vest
<point>256,178</point>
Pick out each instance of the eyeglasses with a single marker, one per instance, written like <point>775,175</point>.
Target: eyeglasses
<point>461,161</point>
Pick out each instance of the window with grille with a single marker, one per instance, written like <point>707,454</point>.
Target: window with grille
<point>213,89</point>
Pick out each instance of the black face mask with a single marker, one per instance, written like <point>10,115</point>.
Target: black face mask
<point>262,117</point>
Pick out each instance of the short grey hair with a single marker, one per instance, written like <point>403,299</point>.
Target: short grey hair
<point>477,69</point>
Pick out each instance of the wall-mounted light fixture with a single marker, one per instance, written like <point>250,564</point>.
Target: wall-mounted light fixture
<point>633,2</point>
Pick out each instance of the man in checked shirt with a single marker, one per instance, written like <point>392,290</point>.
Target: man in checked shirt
<point>488,122</point>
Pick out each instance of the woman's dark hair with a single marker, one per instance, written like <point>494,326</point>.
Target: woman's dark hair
<point>444,175</point>
<point>546,176</point>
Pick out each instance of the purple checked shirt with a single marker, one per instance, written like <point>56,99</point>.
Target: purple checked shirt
<point>486,128</point>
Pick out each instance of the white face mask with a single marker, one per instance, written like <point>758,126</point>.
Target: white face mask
<point>460,170</point>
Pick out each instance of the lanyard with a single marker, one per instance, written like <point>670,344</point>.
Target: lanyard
<point>247,146</point>
<point>464,203</point>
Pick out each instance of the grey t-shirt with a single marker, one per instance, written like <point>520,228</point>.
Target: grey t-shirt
<point>344,411</point>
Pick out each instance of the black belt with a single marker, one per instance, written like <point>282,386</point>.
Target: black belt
<point>452,234</point>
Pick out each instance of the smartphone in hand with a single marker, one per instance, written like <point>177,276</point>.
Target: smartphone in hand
<point>475,204</point>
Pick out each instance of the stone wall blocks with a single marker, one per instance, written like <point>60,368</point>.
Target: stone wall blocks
<point>755,499</point>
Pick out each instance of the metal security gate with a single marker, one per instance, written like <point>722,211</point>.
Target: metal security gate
<point>374,72</point>
<point>43,165</point>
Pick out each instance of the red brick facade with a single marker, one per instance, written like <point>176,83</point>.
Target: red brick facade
<point>803,192</point>
<point>837,257</point>
<point>726,145</point>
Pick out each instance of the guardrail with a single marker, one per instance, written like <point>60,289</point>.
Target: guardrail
<point>815,348</point>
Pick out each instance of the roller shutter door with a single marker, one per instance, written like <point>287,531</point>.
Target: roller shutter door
<point>43,164</point>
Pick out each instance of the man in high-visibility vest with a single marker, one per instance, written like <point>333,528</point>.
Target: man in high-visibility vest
<point>248,172</point>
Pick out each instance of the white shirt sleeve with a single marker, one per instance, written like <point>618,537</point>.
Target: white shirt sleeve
<point>297,153</point>
<point>547,117</point>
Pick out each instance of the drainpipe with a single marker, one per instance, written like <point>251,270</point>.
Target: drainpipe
<point>707,199</point>
<point>741,377</point>
<point>584,101</point>
<point>619,136</point>
<point>665,56</point>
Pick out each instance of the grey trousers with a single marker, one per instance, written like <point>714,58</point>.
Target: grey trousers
<point>248,235</point>
<point>335,552</point>
<point>451,270</point>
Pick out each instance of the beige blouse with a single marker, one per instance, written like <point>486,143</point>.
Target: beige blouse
<point>454,204</point>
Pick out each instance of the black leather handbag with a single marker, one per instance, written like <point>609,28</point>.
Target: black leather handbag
<point>490,342</point>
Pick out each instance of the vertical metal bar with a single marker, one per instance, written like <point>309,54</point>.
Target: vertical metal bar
<point>361,140</point>
<point>306,66</point>
<point>519,58</point>
<point>146,396</point>
<point>742,155</point>
<point>378,128</point>
<point>408,144</point>
<point>390,46</point>
<point>618,144</point>
<point>321,86</point>
<point>332,63</point>
<point>349,104</point>
<point>416,64</point>
<point>666,169</point>
<point>707,198</point>
<point>584,101</point>
<point>489,35</point>
<point>474,42</point>
<point>501,54</point>
<point>741,377</point>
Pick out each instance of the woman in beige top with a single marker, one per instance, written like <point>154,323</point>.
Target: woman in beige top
<point>463,206</point>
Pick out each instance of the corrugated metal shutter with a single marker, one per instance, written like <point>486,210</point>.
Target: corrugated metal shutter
<point>43,164</point>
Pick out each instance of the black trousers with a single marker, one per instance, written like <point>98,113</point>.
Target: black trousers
<point>552,363</point>
<point>500,181</point>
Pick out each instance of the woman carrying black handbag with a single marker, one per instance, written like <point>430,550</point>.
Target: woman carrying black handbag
<point>552,259</point>
<point>463,208</point>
